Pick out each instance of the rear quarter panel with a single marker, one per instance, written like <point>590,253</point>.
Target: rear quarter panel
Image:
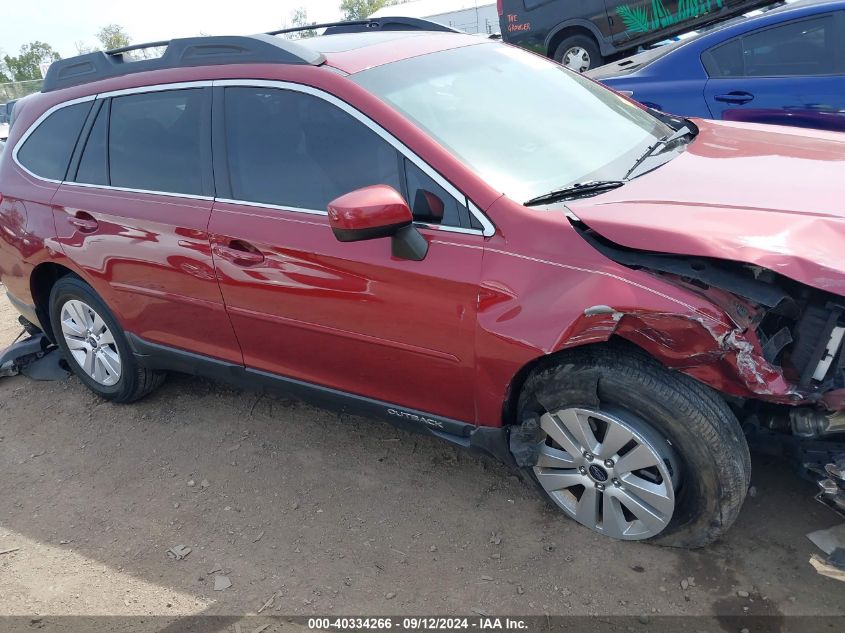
<point>27,232</point>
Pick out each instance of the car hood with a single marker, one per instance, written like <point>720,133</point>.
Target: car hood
<point>764,195</point>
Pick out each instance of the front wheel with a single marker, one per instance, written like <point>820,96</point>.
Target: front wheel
<point>579,53</point>
<point>634,451</point>
<point>94,344</point>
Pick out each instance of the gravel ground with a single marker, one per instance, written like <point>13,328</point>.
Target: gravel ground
<point>331,514</point>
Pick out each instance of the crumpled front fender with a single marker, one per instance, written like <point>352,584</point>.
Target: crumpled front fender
<point>710,350</point>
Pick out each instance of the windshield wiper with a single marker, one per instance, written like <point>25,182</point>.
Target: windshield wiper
<point>578,190</point>
<point>656,148</point>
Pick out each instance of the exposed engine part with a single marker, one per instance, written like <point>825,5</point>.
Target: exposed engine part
<point>812,423</point>
<point>818,337</point>
<point>832,489</point>
<point>776,344</point>
<point>831,349</point>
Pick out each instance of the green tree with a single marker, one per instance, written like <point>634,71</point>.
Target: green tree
<point>26,66</point>
<point>4,72</point>
<point>113,36</point>
<point>360,9</point>
<point>298,18</point>
<point>82,48</point>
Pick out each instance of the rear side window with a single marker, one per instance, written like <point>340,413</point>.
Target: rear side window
<point>804,48</point>
<point>295,150</point>
<point>799,48</point>
<point>155,142</point>
<point>93,166</point>
<point>47,150</point>
<point>725,60</point>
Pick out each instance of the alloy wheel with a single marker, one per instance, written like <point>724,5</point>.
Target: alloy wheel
<point>608,470</point>
<point>90,342</point>
<point>577,59</point>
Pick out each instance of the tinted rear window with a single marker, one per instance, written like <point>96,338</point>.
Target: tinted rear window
<point>46,152</point>
<point>155,141</point>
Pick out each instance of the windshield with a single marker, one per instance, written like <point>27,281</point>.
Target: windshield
<point>521,122</point>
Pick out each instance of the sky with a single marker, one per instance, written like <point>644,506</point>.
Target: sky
<point>62,23</point>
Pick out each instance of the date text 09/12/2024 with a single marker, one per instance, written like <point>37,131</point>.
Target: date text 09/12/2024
<point>482,623</point>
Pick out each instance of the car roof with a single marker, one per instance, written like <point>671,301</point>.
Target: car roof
<point>346,50</point>
<point>354,52</point>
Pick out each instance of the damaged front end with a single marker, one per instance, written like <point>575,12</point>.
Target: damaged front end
<point>784,341</point>
<point>779,362</point>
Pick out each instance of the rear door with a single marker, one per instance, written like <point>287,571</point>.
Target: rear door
<point>792,73</point>
<point>350,316</point>
<point>133,213</point>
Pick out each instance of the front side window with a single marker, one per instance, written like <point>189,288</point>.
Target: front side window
<point>47,151</point>
<point>155,141</point>
<point>295,150</point>
<point>523,123</point>
<point>430,203</point>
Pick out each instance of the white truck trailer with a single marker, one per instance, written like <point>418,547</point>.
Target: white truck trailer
<point>472,16</point>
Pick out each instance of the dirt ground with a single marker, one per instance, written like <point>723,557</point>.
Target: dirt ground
<point>336,515</point>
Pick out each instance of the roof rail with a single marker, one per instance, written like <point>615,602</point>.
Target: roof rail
<point>180,53</point>
<point>216,50</point>
<point>370,24</point>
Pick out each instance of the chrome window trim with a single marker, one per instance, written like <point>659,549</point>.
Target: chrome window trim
<point>23,139</point>
<point>488,228</point>
<point>183,85</point>
<point>89,185</point>
<point>267,205</point>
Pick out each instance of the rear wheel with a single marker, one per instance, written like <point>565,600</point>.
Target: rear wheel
<point>94,344</point>
<point>579,53</point>
<point>634,451</point>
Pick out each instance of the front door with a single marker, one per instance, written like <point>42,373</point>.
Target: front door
<point>348,316</point>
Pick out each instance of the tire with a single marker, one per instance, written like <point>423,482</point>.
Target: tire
<point>706,466</point>
<point>593,57</point>
<point>100,344</point>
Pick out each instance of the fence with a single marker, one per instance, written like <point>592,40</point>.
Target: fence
<point>18,89</point>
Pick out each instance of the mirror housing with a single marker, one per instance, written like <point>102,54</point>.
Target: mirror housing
<point>375,212</point>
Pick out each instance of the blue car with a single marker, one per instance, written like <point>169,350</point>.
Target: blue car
<point>784,66</point>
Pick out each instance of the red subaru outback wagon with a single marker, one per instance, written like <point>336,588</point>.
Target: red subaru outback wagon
<point>449,233</point>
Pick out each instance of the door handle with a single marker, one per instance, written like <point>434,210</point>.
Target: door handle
<point>737,97</point>
<point>85,222</point>
<point>239,253</point>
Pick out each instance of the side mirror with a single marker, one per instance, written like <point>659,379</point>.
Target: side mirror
<point>375,212</point>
